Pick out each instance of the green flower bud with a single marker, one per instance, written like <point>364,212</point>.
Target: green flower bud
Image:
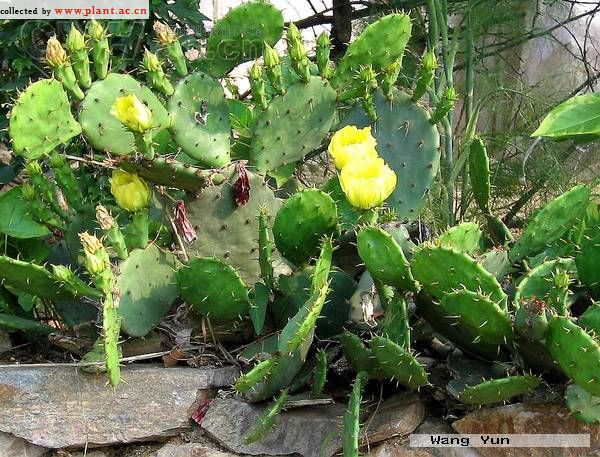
<point>562,279</point>
<point>323,40</point>
<point>293,34</point>
<point>151,62</point>
<point>75,40</point>
<point>28,192</point>
<point>95,256</point>
<point>271,56</point>
<point>62,273</point>
<point>429,62</point>
<point>34,168</point>
<point>368,77</point>
<point>56,56</point>
<point>96,31</point>
<point>256,72</point>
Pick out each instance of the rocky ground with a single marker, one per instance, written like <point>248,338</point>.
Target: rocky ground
<point>59,411</point>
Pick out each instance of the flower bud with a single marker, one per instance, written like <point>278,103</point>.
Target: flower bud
<point>28,192</point>
<point>96,31</point>
<point>75,40</point>
<point>561,279</point>
<point>151,62</point>
<point>95,256</point>
<point>62,273</point>
<point>105,220</point>
<point>256,72</point>
<point>132,113</point>
<point>429,62</point>
<point>34,168</point>
<point>55,53</point>
<point>323,40</point>
<point>271,56</point>
<point>130,191</point>
<point>293,34</point>
<point>164,33</point>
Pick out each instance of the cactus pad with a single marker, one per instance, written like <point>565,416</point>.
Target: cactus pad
<point>576,352</point>
<point>293,124</point>
<point>239,36</point>
<point>41,120</point>
<point>590,319</point>
<point>479,174</point>
<point>31,278</point>
<point>482,317</point>
<point>494,390</point>
<point>359,356</point>
<point>380,44</point>
<point>538,283</point>
<point>583,405</point>
<point>213,288</point>
<point>301,223</point>
<point>104,131</point>
<point>408,142</point>
<point>147,283</point>
<point>398,363</point>
<point>201,119</point>
<point>551,222</point>
<point>464,237</point>
<point>384,258</point>
<point>588,264</point>
<point>228,231</point>
<point>442,270</point>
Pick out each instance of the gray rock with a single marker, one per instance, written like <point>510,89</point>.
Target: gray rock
<point>62,407</point>
<point>190,450</point>
<point>311,432</point>
<point>437,426</point>
<point>12,446</point>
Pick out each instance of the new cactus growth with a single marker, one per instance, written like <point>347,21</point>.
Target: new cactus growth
<point>351,431</point>
<point>582,404</point>
<point>167,37</point>
<point>156,75</point>
<point>267,420</point>
<point>79,57</point>
<point>100,48</point>
<point>494,390</point>
<point>398,363</point>
<point>425,76</point>
<point>57,59</point>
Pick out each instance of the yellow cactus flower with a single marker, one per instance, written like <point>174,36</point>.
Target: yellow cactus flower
<point>131,192</point>
<point>132,113</point>
<point>352,144</point>
<point>55,53</point>
<point>367,183</point>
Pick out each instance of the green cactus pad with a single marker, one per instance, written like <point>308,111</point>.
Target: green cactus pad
<point>487,321</point>
<point>267,419</point>
<point>551,222</point>
<point>360,357</point>
<point>31,278</point>
<point>380,44</point>
<point>104,131</point>
<point>496,262</point>
<point>239,36</point>
<point>18,324</point>
<point>147,282</point>
<point>538,283</point>
<point>294,290</point>
<point>397,363</point>
<point>442,270</point>
<point>384,259</point>
<point>213,289</point>
<point>259,300</point>
<point>201,119</point>
<point>583,405</point>
<point>41,120</point>
<point>464,237</point>
<point>479,174</point>
<point>588,264</point>
<point>576,352</point>
<point>494,390</point>
<point>409,144</point>
<point>293,124</point>
<point>590,319</point>
<point>228,231</point>
<point>302,222</point>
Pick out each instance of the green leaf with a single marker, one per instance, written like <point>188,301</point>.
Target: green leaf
<point>15,219</point>
<point>577,117</point>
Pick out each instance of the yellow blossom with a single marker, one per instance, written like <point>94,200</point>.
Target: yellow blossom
<point>132,113</point>
<point>164,33</point>
<point>352,144</point>
<point>131,192</point>
<point>367,183</point>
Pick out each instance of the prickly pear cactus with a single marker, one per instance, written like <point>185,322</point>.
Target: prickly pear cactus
<point>200,118</point>
<point>409,144</point>
<point>147,282</point>
<point>213,289</point>
<point>41,120</point>
<point>465,237</point>
<point>583,405</point>
<point>293,124</point>
<point>301,223</point>
<point>494,390</point>
<point>398,363</point>
<point>104,131</point>
<point>231,231</point>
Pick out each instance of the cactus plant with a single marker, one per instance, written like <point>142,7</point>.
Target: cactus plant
<point>583,405</point>
<point>494,390</point>
<point>351,430</point>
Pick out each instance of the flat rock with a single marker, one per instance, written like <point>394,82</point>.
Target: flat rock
<point>398,415</point>
<point>311,432</point>
<point>529,418</point>
<point>62,407</point>
<point>190,450</point>
<point>12,446</point>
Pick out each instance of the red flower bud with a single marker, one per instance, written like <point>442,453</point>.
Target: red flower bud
<point>182,223</point>
<point>241,188</point>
